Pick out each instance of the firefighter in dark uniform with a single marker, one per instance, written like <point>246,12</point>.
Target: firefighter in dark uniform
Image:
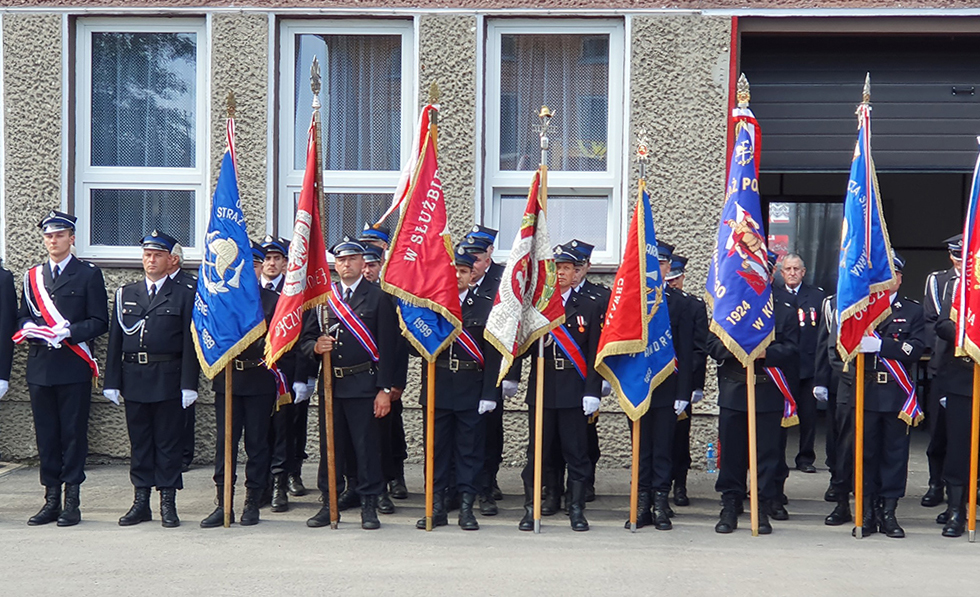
<point>955,379</point>
<point>667,402</point>
<point>479,242</point>
<point>71,311</point>
<point>886,437</point>
<point>826,379</point>
<point>936,415</point>
<point>777,506</point>
<point>152,363</point>
<point>681,456</point>
<point>254,397</point>
<point>465,391</point>
<point>362,378</point>
<point>733,465</point>
<point>569,396</point>
<point>187,437</point>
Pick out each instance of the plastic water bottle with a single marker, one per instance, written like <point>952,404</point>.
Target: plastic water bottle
<point>711,458</point>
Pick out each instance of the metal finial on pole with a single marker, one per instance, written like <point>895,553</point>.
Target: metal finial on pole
<point>230,104</point>
<point>742,93</point>
<point>434,96</point>
<point>544,116</point>
<point>866,94</point>
<point>315,82</point>
<point>642,151</point>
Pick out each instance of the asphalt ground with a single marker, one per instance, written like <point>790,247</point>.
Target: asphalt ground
<point>281,556</point>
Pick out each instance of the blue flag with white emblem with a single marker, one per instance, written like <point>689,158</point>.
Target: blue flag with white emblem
<point>739,282</point>
<point>636,349</point>
<point>227,313</point>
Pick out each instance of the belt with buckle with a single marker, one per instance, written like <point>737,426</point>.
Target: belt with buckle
<point>880,377</point>
<point>243,364</point>
<point>143,357</point>
<point>558,364</point>
<point>340,372</point>
<point>455,365</point>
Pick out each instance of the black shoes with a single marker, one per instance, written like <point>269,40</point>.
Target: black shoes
<point>778,511</point>
<point>439,516</point>
<point>497,494</point>
<point>397,489</point>
<point>728,519</point>
<point>488,505</point>
<point>527,521</point>
<point>467,521</point>
<point>764,508</point>
<point>550,501</point>
<point>70,514</point>
<point>869,519</point>
<point>840,515</point>
<point>217,518</point>
<point>680,495</point>
<point>576,507</point>
<point>385,505</point>
<point>321,518</point>
<point>369,513</point>
<point>806,468</point>
<point>956,520</point>
<point>168,508</point>
<point>661,518</point>
<point>294,484</point>
<point>51,509</point>
<point>140,510</point>
<point>348,499</point>
<point>644,517</point>
<point>831,495</point>
<point>590,492</point>
<point>250,511</point>
<point>889,523</point>
<point>933,496</point>
<point>280,493</point>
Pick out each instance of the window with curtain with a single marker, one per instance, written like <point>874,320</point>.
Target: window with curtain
<point>576,69</point>
<point>140,133</point>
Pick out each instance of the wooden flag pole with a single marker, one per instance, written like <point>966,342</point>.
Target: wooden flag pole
<point>228,489</point>
<point>974,454</point>
<point>538,440</point>
<point>635,476</point>
<point>859,445</point>
<point>430,444</point>
<point>753,450</point>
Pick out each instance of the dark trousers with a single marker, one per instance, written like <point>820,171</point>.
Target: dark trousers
<point>187,435</point>
<point>565,428</point>
<point>956,469</point>
<point>297,438</point>
<point>782,469</point>
<point>593,443</point>
<point>280,430</point>
<point>843,477</point>
<point>886,454</point>
<point>733,466</point>
<point>681,453</point>
<point>831,435</point>
<point>394,451</point>
<point>459,445</point>
<point>806,410</point>
<point>253,416</point>
<point>61,431</point>
<point>493,423</point>
<point>936,452</point>
<point>355,429</point>
<point>656,448</point>
<point>155,434</point>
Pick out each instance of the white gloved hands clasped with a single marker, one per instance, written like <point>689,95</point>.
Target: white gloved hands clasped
<point>870,344</point>
<point>112,396</point>
<point>697,396</point>
<point>486,406</point>
<point>590,404</point>
<point>300,392</point>
<point>606,388</point>
<point>821,393</point>
<point>509,388</point>
<point>187,397</point>
<point>680,406</point>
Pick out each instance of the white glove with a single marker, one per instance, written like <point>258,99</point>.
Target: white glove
<point>870,344</point>
<point>606,388</point>
<point>679,406</point>
<point>697,396</point>
<point>310,386</point>
<point>590,404</point>
<point>61,332</point>
<point>820,393</point>
<point>112,396</point>
<point>486,406</point>
<point>187,397</point>
<point>942,401</point>
<point>300,392</point>
<point>509,387</point>
<point>4,386</point>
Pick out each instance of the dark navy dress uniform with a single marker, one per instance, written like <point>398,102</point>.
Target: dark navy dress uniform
<point>826,374</point>
<point>781,295</point>
<point>936,285</point>
<point>808,300</point>
<point>188,436</point>
<point>601,294</point>
<point>681,455</point>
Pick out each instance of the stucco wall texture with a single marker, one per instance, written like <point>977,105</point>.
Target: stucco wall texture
<point>677,93</point>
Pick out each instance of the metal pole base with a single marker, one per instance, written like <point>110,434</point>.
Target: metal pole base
<point>428,523</point>
<point>858,532</point>
<point>333,525</point>
<point>632,527</point>
<point>973,536</point>
<point>537,526</point>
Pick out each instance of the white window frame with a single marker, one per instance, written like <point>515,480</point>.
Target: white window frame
<point>339,181</point>
<point>88,177</point>
<point>499,182</point>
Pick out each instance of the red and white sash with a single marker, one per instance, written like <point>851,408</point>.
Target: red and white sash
<point>790,417</point>
<point>53,317</point>
<point>571,349</point>
<point>470,345</point>
<point>911,413</point>
<point>353,323</point>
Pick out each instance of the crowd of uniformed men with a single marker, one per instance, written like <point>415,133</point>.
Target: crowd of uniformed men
<point>152,370</point>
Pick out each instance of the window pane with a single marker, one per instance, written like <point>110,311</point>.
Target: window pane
<point>361,99</point>
<point>813,231</point>
<point>122,217</point>
<point>144,99</point>
<point>346,213</point>
<point>569,216</point>
<point>569,74</point>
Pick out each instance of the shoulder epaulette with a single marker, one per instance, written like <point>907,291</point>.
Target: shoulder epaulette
<point>911,300</point>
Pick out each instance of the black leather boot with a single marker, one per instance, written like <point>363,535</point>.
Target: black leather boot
<point>728,519</point>
<point>250,510</point>
<point>168,508</point>
<point>488,505</point>
<point>956,522</point>
<point>321,518</point>
<point>385,505</point>
<point>369,512</point>
<point>439,516</point>
<point>765,507</point>
<point>869,522</point>
<point>497,494</point>
<point>661,520</point>
<point>840,515</point>
<point>349,498</point>
<point>527,521</point>
<point>140,510</point>
<point>295,485</point>
<point>831,495</point>
<point>467,520</point>
<point>889,523</point>
<point>576,507</point>
<point>680,492</point>
<point>551,500</point>
<point>51,509</point>
<point>643,515</point>
<point>943,517</point>
<point>70,514</point>
<point>217,518</point>
<point>280,493</point>
<point>933,496</point>
<point>778,511</point>
<point>398,489</point>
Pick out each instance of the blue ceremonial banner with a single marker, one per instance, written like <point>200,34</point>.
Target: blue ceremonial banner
<point>739,279</point>
<point>636,350</point>
<point>865,270</point>
<point>227,309</point>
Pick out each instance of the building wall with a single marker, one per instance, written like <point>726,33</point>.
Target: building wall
<point>676,90</point>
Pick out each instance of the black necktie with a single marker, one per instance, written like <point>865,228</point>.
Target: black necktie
<point>347,293</point>
<point>153,292</point>
<point>270,286</point>
<point>54,273</point>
